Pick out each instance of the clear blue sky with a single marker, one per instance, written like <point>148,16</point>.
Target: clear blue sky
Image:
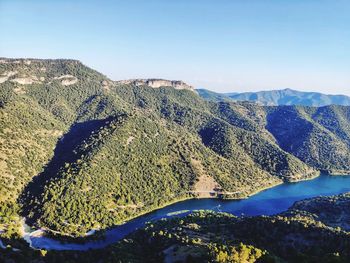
<point>233,45</point>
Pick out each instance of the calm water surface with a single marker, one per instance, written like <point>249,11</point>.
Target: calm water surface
<point>268,202</point>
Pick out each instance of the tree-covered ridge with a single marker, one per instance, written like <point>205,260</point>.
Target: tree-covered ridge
<point>317,136</point>
<point>39,101</point>
<point>36,108</point>
<point>28,135</point>
<point>332,211</point>
<point>86,152</point>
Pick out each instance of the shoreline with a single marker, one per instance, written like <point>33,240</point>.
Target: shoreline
<point>99,234</point>
<point>43,231</point>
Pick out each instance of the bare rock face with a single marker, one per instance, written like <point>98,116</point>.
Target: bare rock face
<point>156,83</point>
<point>34,71</point>
<point>67,80</point>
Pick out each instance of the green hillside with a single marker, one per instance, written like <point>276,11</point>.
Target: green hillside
<point>79,151</point>
<point>212,96</point>
<point>317,136</point>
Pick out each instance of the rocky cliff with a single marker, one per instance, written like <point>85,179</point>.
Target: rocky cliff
<point>156,83</point>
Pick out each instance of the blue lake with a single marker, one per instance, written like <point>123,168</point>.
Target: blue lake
<point>268,202</point>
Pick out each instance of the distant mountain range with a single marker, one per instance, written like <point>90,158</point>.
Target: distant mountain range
<point>278,97</point>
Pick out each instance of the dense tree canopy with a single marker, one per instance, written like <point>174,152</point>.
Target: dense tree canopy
<point>79,151</point>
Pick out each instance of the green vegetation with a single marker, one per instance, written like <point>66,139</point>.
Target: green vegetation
<point>79,151</point>
<point>213,96</point>
<point>317,136</point>
<point>312,230</point>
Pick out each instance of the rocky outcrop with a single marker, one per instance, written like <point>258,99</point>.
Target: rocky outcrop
<point>67,80</point>
<point>33,71</point>
<point>6,75</point>
<point>157,83</point>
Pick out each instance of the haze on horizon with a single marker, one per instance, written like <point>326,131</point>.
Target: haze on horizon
<point>224,46</point>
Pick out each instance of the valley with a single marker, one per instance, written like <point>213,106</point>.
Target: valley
<point>80,152</point>
<point>174,131</point>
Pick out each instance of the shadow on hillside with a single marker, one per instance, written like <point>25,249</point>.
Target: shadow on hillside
<point>64,153</point>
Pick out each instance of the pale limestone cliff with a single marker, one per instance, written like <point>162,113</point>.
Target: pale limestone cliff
<point>156,83</point>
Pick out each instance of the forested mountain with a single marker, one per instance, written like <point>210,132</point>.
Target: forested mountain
<point>79,151</point>
<point>279,97</point>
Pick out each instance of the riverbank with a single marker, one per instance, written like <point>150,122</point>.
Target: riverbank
<point>97,234</point>
<point>100,234</point>
<point>271,201</point>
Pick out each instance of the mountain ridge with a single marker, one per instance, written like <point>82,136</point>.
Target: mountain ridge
<point>279,97</point>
